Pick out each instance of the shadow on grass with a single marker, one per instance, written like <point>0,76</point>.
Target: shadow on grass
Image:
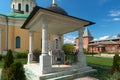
<point>104,73</point>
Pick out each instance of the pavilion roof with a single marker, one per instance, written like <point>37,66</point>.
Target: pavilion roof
<point>37,8</point>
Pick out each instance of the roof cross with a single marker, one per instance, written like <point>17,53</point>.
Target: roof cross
<point>54,2</point>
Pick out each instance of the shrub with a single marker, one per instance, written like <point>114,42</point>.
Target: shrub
<point>116,63</point>
<point>2,74</point>
<point>114,76</point>
<point>36,54</point>
<point>21,55</point>
<point>0,57</point>
<point>16,72</point>
<point>3,57</point>
<point>90,53</point>
<point>8,59</point>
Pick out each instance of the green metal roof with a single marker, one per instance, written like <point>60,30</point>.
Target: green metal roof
<point>3,14</point>
<point>17,15</point>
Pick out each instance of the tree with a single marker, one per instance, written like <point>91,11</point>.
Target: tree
<point>68,48</point>
<point>8,59</point>
<point>16,72</point>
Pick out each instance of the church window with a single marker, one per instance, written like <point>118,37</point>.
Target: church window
<point>19,7</point>
<point>27,8</point>
<point>17,42</point>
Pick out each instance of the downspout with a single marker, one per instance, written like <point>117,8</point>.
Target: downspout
<point>6,33</point>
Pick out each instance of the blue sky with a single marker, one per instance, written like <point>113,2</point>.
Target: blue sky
<point>105,13</point>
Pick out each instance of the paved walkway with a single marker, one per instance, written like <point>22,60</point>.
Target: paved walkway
<point>103,55</point>
<point>86,78</point>
<point>0,73</point>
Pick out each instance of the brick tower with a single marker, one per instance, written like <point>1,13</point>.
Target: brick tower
<point>87,37</point>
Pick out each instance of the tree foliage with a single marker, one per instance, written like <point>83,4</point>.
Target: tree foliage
<point>68,48</point>
<point>8,59</point>
<point>16,72</point>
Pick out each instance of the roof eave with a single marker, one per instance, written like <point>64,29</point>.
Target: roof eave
<point>30,17</point>
<point>36,9</point>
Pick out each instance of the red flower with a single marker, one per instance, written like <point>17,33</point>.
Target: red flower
<point>65,63</point>
<point>115,70</point>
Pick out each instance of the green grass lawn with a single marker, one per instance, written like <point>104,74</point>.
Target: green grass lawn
<point>90,60</point>
<point>99,61</point>
<point>23,61</point>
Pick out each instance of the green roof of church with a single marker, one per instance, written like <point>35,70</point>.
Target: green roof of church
<point>16,15</point>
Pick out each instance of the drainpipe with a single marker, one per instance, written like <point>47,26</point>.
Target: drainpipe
<point>6,33</point>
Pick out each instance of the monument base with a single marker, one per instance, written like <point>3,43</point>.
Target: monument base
<point>59,72</point>
<point>45,64</point>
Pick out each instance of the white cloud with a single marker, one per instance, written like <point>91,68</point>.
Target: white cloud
<point>105,37</point>
<point>116,19</point>
<point>95,39</point>
<point>114,13</point>
<point>102,38</point>
<point>114,16</point>
<point>69,39</point>
<point>101,2</point>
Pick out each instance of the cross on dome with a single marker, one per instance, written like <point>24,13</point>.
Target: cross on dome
<point>54,2</point>
<point>54,7</point>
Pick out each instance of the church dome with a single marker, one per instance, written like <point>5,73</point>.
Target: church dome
<point>57,9</point>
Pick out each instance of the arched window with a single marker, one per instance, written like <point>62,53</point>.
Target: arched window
<point>17,42</point>
<point>56,40</point>
<point>27,8</point>
<point>19,7</point>
<point>13,6</point>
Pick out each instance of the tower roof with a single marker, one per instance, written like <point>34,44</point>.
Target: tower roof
<point>87,33</point>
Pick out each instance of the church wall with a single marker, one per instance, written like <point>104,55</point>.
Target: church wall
<point>3,38</point>
<point>37,41</point>
<point>11,37</point>
<point>13,32</point>
<point>24,39</point>
<point>24,35</point>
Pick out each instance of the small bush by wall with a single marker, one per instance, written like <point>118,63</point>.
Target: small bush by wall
<point>90,53</point>
<point>16,72</point>
<point>8,60</point>
<point>36,54</point>
<point>21,55</point>
<point>116,63</point>
<point>1,57</point>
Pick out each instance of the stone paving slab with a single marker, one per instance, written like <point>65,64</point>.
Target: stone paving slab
<point>0,73</point>
<point>86,78</point>
<point>103,55</point>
